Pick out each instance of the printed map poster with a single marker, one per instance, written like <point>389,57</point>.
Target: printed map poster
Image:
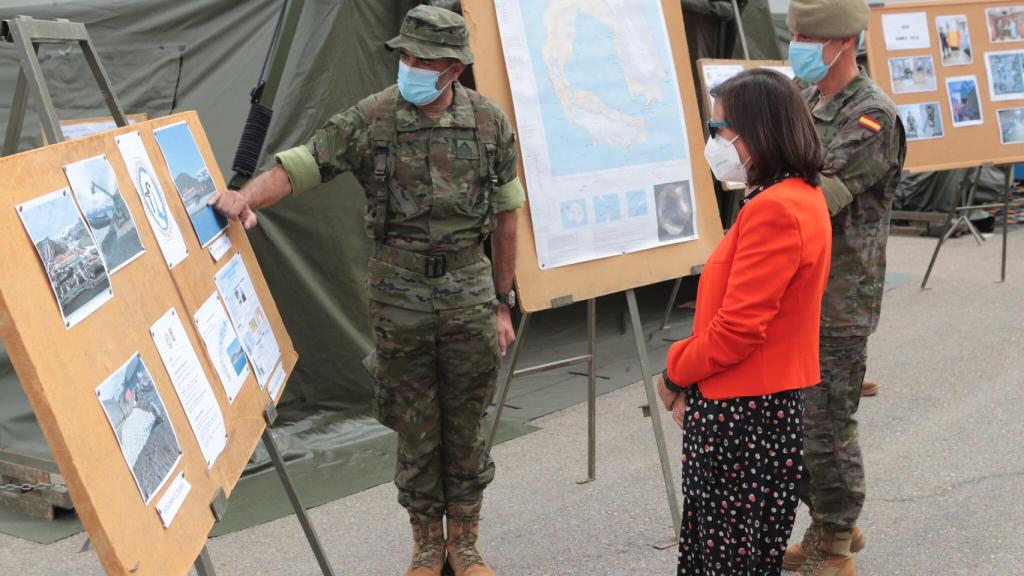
<point>247,316</point>
<point>600,125</point>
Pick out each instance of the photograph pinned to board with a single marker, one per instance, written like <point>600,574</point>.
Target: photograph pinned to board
<point>143,429</point>
<point>912,74</point>
<point>94,184</point>
<point>786,71</point>
<point>1005,24</point>
<point>674,206</point>
<point>248,318</point>
<point>1011,125</point>
<point>907,31</point>
<point>72,261</point>
<point>922,121</point>
<point>154,201</point>
<point>222,345</point>
<point>1005,75</point>
<point>954,40</point>
<point>192,178</point>
<point>964,101</point>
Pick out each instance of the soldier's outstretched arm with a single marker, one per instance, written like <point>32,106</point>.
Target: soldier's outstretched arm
<point>265,190</point>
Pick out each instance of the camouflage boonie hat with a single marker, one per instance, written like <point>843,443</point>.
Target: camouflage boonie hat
<point>431,32</point>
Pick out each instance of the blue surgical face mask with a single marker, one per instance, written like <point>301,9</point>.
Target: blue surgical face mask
<point>419,86</point>
<point>808,62</point>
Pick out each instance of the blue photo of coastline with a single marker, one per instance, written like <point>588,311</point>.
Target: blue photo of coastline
<point>192,179</point>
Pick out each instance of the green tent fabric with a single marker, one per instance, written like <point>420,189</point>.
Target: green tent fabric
<point>205,55</point>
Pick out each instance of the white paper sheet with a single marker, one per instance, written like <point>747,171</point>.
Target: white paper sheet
<point>601,127</point>
<point>716,74</point>
<point>276,382</point>
<point>220,247</point>
<point>222,345</point>
<point>909,31</point>
<point>158,212</point>
<point>172,500</point>
<point>191,384</point>
<point>248,318</point>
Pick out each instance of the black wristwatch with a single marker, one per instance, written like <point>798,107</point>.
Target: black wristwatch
<point>507,298</point>
<point>672,386</point>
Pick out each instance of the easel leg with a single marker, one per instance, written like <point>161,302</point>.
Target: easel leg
<point>517,347</point>
<point>17,119</point>
<point>300,511</point>
<point>655,412</point>
<point>935,255</point>
<point>591,392</point>
<point>1006,218</point>
<point>956,219</point>
<point>203,564</point>
<point>671,303</point>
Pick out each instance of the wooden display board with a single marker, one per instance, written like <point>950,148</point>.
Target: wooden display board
<point>959,147</point>
<point>542,289</point>
<point>705,86</point>
<point>60,368</point>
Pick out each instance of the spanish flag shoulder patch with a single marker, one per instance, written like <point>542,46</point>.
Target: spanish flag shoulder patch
<point>870,124</point>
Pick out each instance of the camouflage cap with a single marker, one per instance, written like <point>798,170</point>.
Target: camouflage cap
<point>831,19</point>
<point>432,32</point>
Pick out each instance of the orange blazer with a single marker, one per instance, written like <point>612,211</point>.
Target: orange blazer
<point>755,331</point>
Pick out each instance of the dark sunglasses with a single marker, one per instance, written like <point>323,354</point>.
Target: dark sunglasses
<point>715,125</point>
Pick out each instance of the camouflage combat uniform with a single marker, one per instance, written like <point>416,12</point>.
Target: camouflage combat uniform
<point>432,300</point>
<point>865,145</point>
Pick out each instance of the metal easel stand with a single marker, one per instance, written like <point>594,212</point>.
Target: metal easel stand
<point>28,35</point>
<point>204,566</point>
<point>958,217</point>
<point>589,359</point>
<point>645,373</point>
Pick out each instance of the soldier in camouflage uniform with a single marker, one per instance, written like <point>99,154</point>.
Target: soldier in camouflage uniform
<point>438,164</point>
<point>865,147</point>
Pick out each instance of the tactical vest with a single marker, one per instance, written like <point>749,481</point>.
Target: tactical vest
<point>384,135</point>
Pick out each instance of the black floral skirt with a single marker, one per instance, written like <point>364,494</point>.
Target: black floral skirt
<point>742,459</point>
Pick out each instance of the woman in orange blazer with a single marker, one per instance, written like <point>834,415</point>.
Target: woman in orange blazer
<point>735,385</point>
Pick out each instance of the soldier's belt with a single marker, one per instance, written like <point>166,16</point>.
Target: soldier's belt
<point>430,265</point>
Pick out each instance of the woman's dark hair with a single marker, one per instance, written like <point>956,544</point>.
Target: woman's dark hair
<point>766,110</point>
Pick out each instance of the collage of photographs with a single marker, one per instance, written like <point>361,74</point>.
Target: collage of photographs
<point>916,74</point>
<point>85,233</point>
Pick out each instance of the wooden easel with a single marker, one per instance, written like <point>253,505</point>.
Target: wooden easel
<point>27,35</point>
<point>541,289</point>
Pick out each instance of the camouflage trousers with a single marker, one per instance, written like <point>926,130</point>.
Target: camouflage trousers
<point>833,482</point>
<point>434,375</point>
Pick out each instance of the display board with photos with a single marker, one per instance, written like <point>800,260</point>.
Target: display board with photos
<point>956,72</point>
<point>148,359</point>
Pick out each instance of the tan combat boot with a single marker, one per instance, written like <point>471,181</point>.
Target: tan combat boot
<point>463,529</point>
<point>795,556</point>
<point>427,546</point>
<point>869,388</point>
<point>831,555</point>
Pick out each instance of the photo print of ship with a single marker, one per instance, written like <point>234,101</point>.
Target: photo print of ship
<point>94,184</point>
<point>70,257</point>
<point>192,179</point>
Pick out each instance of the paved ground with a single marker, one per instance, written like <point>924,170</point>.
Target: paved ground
<point>942,444</point>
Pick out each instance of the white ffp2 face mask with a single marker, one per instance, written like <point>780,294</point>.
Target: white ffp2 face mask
<point>724,160</point>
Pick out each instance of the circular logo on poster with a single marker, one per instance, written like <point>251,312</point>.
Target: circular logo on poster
<point>152,199</point>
